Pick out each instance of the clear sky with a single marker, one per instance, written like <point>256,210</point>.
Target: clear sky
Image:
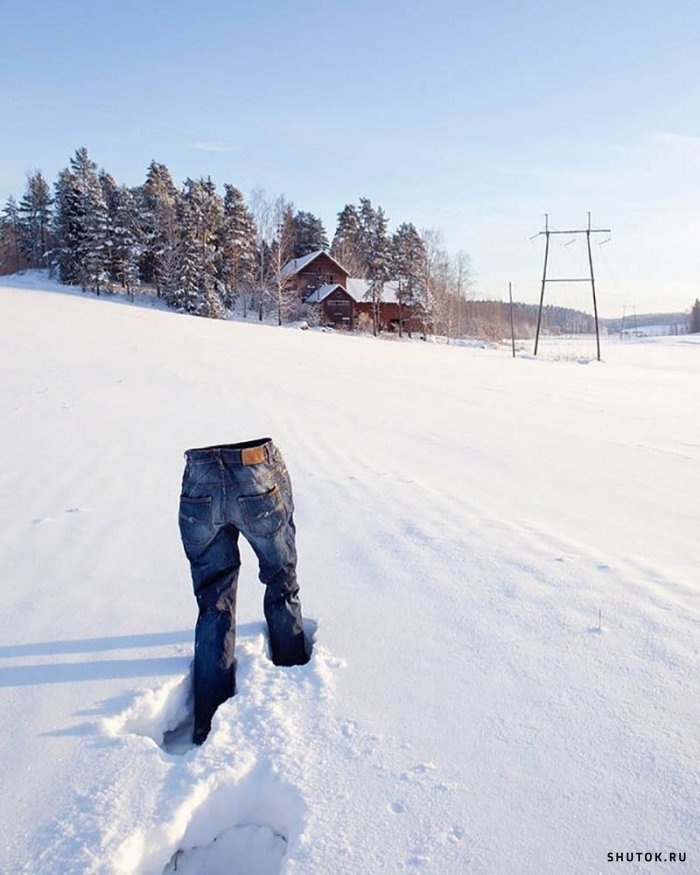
<point>473,117</point>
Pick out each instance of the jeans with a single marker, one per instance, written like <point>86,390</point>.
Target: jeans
<point>227,490</point>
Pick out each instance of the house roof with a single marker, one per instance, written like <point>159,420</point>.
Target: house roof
<point>321,293</point>
<point>296,264</point>
<point>358,289</point>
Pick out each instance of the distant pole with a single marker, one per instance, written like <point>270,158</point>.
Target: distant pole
<point>595,303</point>
<point>544,280</point>
<point>622,324</point>
<point>512,326</point>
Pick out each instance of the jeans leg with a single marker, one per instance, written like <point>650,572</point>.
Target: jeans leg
<point>215,586</point>
<point>278,560</point>
<point>284,621</point>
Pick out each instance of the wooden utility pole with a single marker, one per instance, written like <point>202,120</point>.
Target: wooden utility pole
<point>587,279</point>
<point>512,326</point>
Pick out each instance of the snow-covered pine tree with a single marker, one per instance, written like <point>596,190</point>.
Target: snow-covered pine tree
<point>409,268</point>
<point>35,212</point>
<point>237,247</point>
<point>67,228</point>
<point>185,293</point>
<point>93,243</point>
<point>94,250</point>
<point>309,234</point>
<point>108,186</point>
<point>210,211</point>
<point>377,249</point>
<point>124,234</point>
<point>12,225</point>
<point>347,242</point>
<point>199,213</point>
<point>157,203</point>
<point>6,260</point>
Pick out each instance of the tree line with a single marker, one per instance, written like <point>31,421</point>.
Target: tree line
<point>694,318</point>
<point>206,252</point>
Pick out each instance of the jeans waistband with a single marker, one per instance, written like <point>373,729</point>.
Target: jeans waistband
<point>244,453</point>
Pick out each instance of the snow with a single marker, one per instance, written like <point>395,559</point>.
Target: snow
<point>321,293</point>
<point>462,518</point>
<point>359,290</point>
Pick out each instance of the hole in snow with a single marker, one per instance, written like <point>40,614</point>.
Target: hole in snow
<point>240,850</point>
<point>165,714</point>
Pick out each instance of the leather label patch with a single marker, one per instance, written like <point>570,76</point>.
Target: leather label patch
<point>253,455</point>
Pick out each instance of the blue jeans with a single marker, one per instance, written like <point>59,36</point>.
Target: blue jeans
<point>227,490</point>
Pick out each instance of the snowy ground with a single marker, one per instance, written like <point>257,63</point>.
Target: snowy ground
<point>462,518</point>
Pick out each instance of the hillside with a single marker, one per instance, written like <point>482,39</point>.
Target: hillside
<point>462,518</point>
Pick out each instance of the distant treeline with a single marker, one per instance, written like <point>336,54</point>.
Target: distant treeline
<point>632,321</point>
<point>207,253</point>
<point>492,319</point>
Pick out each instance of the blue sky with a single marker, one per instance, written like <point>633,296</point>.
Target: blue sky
<point>476,118</point>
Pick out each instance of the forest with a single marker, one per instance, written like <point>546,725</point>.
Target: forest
<point>212,253</point>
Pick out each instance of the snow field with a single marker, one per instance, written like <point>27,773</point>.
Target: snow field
<point>461,519</point>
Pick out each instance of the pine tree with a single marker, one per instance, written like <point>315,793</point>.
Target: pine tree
<point>212,212</point>
<point>377,254</point>
<point>92,225</point>
<point>124,237</point>
<point>67,228</point>
<point>309,234</point>
<point>94,249</point>
<point>12,224</point>
<point>199,214</point>
<point>185,293</point>
<point>694,326</point>
<point>158,232</point>
<point>347,242</point>
<point>109,187</point>
<point>237,246</point>
<point>409,269</point>
<point>35,212</point>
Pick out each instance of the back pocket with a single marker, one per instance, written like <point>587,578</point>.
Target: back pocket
<point>264,514</point>
<point>195,520</point>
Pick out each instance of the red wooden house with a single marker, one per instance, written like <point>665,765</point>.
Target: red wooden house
<point>321,281</point>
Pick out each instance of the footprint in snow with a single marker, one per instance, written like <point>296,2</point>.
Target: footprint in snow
<point>239,850</point>
<point>164,714</point>
<point>240,826</point>
<point>456,834</point>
